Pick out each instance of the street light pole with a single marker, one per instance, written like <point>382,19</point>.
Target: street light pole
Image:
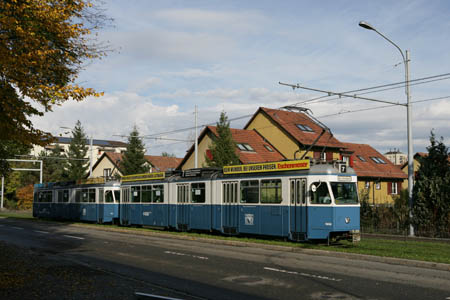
<point>408,119</point>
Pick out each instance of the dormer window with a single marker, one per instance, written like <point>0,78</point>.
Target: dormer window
<point>304,127</point>
<point>377,160</point>
<point>268,148</point>
<point>245,147</point>
<point>361,158</point>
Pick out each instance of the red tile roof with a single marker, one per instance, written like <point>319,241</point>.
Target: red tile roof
<point>369,168</point>
<point>257,142</point>
<point>160,163</point>
<point>250,137</point>
<point>288,121</point>
<point>163,163</point>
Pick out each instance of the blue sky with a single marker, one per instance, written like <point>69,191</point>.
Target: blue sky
<point>230,55</point>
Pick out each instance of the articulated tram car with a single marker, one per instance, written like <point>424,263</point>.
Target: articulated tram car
<point>91,200</point>
<point>298,200</point>
<point>291,199</point>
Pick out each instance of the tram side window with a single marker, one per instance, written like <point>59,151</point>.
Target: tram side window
<point>84,195</point>
<point>271,191</point>
<point>146,194</point>
<point>158,193</point>
<point>135,194</point>
<point>63,196</point>
<point>45,196</point>
<point>109,197</point>
<point>321,194</point>
<point>117,196</point>
<point>91,193</point>
<point>198,192</point>
<point>250,191</point>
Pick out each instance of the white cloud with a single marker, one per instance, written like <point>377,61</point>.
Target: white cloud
<point>243,22</point>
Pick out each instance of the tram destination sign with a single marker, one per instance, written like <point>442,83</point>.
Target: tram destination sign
<point>142,177</point>
<point>268,167</point>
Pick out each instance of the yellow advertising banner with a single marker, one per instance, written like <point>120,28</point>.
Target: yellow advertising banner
<point>268,167</point>
<point>142,177</point>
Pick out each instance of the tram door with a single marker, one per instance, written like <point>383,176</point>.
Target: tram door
<point>124,211</point>
<point>230,208</point>
<point>298,209</point>
<point>183,206</point>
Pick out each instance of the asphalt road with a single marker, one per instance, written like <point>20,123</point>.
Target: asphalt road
<point>210,269</point>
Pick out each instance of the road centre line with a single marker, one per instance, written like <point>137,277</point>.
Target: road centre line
<point>15,227</point>
<point>303,274</point>
<point>183,254</point>
<point>73,237</point>
<point>40,231</point>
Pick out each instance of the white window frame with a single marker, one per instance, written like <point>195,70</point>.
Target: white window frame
<point>394,189</point>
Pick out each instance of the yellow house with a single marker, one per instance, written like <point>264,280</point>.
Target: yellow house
<point>250,148</point>
<point>296,133</point>
<point>108,165</point>
<point>379,180</point>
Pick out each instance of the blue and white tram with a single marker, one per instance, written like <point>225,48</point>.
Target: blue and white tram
<point>90,200</point>
<point>297,200</point>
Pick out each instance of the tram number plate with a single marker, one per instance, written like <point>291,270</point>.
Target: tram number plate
<point>249,219</point>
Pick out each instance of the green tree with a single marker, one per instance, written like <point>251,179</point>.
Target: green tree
<point>43,47</point>
<point>223,147</point>
<point>431,209</point>
<point>167,154</point>
<point>76,164</point>
<point>134,161</point>
<point>54,165</point>
<point>9,150</point>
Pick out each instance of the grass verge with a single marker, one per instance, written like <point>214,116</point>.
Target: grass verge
<point>438,252</point>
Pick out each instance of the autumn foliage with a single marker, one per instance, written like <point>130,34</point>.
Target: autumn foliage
<point>25,197</point>
<point>43,46</point>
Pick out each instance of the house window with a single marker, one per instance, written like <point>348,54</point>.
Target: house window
<point>245,147</point>
<point>106,173</point>
<point>323,156</point>
<point>377,160</point>
<point>268,148</point>
<point>304,127</point>
<point>394,188</point>
<point>361,158</point>
<point>378,185</point>
<point>367,185</point>
<point>209,154</point>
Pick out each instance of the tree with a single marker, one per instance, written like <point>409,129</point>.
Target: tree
<point>134,161</point>
<point>431,210</point>
<point>54,165</point>
<point>43,46</point>
<point>167,154</point>
<point>76,163</point>
<point>223,148</point>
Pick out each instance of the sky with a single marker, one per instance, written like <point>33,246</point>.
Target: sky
<point>169,56</point>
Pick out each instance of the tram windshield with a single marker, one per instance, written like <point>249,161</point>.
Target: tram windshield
<point>344,192</point>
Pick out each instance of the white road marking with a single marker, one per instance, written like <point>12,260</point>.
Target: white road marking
<point>183,254</point>
<point>74,237</point>
<point>303,274</point>
<point>15,227</point>
<point>40,231</point>
<point>153,296</point>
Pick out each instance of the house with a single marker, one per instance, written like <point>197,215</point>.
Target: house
<point>251,147</point>
<point>378,178</point>
<point>295,132</point>
<point>108,165</point>
<point>396,157</point>
<point>98,147</point>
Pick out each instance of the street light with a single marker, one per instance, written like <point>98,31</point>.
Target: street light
<point>409,118</point>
